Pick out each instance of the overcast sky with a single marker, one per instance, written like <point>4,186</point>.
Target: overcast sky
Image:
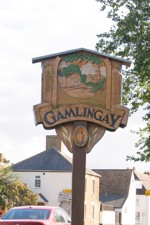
<point>31,28</point>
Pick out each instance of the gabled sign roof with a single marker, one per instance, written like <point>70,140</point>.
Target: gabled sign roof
<point>42,58</point>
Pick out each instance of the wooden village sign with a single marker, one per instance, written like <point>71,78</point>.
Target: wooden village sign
<point>81,99</point>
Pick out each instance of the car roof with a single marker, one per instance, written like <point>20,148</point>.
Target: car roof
<point>35,207</point>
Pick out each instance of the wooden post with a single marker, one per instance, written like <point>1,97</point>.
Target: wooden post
<point>78,180</point>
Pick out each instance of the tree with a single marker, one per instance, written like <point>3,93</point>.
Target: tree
<point>12,191</point>
<point>129,37</point>
<point>2,159</point>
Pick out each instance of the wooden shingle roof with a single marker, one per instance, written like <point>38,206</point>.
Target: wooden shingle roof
<point>114,186</point>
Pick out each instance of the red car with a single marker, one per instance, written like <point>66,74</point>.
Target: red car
<point>35,215</point>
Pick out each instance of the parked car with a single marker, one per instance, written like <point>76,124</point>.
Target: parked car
<point>35,215</point>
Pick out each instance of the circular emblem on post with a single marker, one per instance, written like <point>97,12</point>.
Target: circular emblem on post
<point>80,136</point>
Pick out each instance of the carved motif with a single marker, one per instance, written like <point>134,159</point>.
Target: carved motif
<point>66,132</point>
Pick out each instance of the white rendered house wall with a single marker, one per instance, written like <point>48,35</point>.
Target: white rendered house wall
<point>52,183</point>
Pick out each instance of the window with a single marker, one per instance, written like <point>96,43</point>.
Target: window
<point>84,211</point>
<point>93,186</point>
<point>92,212</point>
<point>125,209</point>
<point>137,201</point>
<point>59,216</point>
<point>68,219</point>
<point>85,184</point>
<point>27,214</point>
<point>137,217</point>
<point>37,181</point>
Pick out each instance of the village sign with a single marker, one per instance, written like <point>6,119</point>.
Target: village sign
<point>81,98</point>
<point>81,85</point>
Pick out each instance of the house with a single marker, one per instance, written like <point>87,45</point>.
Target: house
<point>143,199</point>
<point>49,174</point>
<point>107,215</point>
<point>112,196</point>
<point>118,189</point>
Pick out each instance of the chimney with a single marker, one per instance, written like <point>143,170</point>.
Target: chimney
<point>133,169</point>
<point>53,141</point>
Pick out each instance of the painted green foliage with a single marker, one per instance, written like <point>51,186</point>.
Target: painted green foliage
<point>71,69</point>
<point>129,37</point>
<point>83,56</point>
<point>97,86</point>
<point>75,69</point>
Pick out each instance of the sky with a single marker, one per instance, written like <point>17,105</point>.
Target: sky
<point>29,29</point>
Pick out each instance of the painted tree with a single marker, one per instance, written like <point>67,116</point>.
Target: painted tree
<point>129,37</point>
